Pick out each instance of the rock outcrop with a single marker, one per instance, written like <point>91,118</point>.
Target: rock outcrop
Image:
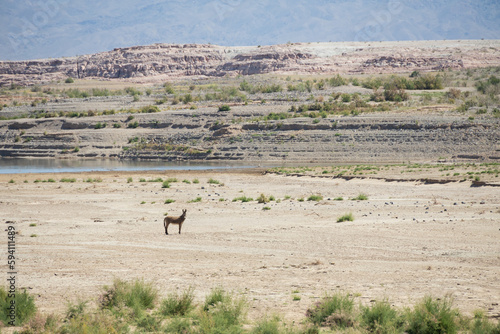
<point>172,60</point>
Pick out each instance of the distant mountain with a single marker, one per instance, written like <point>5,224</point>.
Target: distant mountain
<point>55,28</point>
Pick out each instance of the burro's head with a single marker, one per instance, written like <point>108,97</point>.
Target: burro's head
<point>184,212</point>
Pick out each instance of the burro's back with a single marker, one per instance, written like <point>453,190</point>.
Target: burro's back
<point>175,220</point>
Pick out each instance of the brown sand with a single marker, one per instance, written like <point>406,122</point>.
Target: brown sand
<point>407,240</point>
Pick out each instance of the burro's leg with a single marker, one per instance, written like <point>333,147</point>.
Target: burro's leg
<point>180,226</point>
<point>166,228</point>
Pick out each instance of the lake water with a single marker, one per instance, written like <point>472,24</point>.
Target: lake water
<point>18,166</point>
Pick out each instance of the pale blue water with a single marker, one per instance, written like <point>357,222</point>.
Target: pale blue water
<point>18,166</point>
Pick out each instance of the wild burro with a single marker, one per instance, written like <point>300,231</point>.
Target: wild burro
<point>174,220</point>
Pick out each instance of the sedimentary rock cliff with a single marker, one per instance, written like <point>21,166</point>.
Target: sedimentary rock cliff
<point>161,60</point>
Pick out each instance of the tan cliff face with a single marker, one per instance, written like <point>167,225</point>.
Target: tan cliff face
<point>148,62</point>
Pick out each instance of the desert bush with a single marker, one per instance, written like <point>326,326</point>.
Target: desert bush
<point>176,304</point>
<point>99,322</point>
<point>333,311</point>
<point>196,200</point>
<point>480,324</point>
<point>381,318</point>
<point>395,94</point>
<point>372,83</point>
<point>132,91</point>
<point>24,307</point>
<point>137,295</point>
<point>69,80</point>
<point>149,109</point>
<point>432,316</point>
<point>224,107</point>
<point>213,181</point>
<point>428,82</point>
<point>222,313</point>
<point>315,198</point>
<point>337,81</point>
<point>69,180</point>
<point>169,201</point>
<point>133,125</point>
<point>454,93</point>
<point>243,199</point>
<point>268,325</point>
<point>262,199</point>
<point>346,97</point>
<point>360,197</point>
<point>348,217</point>
<point>179,325</point>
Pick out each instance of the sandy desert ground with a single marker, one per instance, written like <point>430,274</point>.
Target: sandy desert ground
<point>407,240</point>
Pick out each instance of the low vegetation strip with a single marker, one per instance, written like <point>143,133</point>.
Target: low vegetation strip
<point>136,307</point>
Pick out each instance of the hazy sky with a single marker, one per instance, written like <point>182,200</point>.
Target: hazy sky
<point>32,29</point>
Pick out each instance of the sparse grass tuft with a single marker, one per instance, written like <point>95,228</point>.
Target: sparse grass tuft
<point>243,199</point>
<point>169,201</point>
<point>196,200</point>
<point>348,217</point>
<point>360,197</point>
<point>315,198</point>
<point>212,181</point>
<point>70,180</point>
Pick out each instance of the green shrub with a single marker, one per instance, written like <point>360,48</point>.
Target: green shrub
<point>212,181</point>
<point>137,294</point>
<point>196,181</point>
<point>178,304</point>
<point>169,201</point>
<point>165,184</point>
<point>100,322</point>
<point>70,180</point>
<point>76,310</point>
<point>481,325</point>
<point>130,180</point>
<point>196,200</point>
<point>133,125</point>
<point>222,313</point>
<point>333,311</point>
<point>243,199</point>
<point>432,316</point>
<point>69,80</point>
<point>346,218</point>
<point>315,198</point>
<point>267,326</point>
<point>346,97</point>
<point>24,307</point>
<point>149,323</point>
<point>224,107</point>
<point>179,325</point>
<point>149,109</point>
<point>360,197</point>
<point>381,318</point>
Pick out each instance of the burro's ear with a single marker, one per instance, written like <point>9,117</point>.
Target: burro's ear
<point>184,210</point>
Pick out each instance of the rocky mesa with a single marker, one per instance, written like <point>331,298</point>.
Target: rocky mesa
<point>172,60</point>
